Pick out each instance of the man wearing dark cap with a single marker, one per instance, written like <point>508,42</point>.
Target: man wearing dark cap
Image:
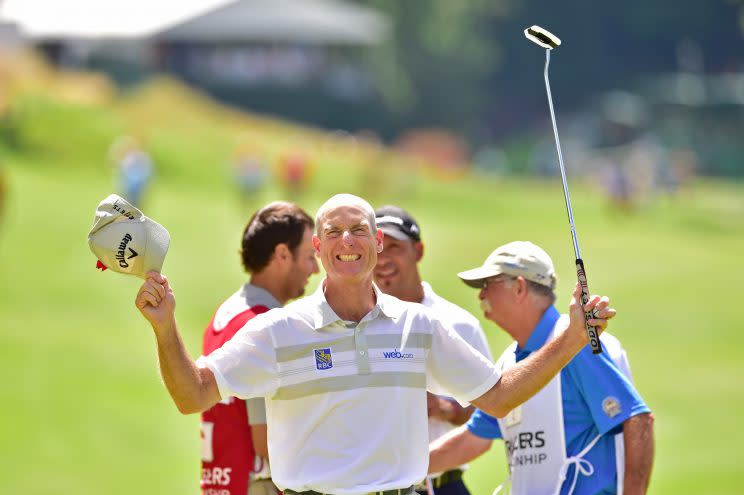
<point>396,273</point>
<point>587,431</point>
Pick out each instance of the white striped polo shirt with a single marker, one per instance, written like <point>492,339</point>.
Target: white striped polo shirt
<point>346,402</point>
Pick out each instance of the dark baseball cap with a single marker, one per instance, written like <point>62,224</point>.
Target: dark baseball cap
<point>397,223</point>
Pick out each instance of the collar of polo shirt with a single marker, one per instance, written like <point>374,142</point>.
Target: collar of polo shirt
<point>325,315</point>
<point>247,297</point>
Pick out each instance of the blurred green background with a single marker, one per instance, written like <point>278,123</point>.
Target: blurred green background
<point>84,410</point>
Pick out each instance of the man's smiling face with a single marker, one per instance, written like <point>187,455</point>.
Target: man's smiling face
<point>346,245</point>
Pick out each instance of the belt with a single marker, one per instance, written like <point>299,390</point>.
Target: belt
<point>443,479</point>
<point>398,491</point>
<point>447,477</point>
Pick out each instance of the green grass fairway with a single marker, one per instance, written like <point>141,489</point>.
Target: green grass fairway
<point>84,411</point>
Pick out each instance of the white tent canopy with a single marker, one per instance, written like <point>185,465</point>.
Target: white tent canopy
<point>42,19</point>
<point>302,21</point>
<point>305,21</point>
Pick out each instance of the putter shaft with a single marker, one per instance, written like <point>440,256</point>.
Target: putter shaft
<point>560,158</point>
<point>580,270</point>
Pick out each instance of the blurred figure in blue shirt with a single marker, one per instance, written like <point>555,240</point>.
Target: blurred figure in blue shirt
<point>133,167</point>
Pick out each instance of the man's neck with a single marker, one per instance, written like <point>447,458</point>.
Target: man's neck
<point>525,323</point>
<point>351,300</point>
<point>412,291</point>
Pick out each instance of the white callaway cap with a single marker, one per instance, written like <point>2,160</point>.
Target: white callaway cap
<point>518,258</point>
<point>125,240</point>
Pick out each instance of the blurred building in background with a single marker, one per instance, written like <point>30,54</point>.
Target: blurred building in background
<point>299,59</point>
<point>627,74</point>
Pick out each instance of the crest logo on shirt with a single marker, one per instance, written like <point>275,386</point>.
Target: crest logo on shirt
<point>323,360</point>
<point>611,406</point>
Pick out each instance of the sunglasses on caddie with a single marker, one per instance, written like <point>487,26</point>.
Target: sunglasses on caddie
<point>495,280</point>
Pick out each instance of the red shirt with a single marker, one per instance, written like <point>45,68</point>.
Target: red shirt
<point>227,447</point>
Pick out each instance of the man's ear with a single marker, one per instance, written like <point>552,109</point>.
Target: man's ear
<point>522,289</point>
<point>316,244</point>
<point>418,247</point>
<point>282,253</point>
<point>378,239</point>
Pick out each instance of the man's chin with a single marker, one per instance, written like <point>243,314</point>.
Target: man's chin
<point>298,293</point>
<point>385,281</point>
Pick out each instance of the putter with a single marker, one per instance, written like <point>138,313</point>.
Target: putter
<point>549,41</point>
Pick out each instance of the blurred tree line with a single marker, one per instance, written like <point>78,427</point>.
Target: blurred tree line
<point>465,65</point>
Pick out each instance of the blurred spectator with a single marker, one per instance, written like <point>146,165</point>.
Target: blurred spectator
<point>491,159</point>
<point>249,171</point>
<point>376,166</point>
<point>679,171</point>
<point>133,166</point>
<point>294,168</point>
<point>3,190</point>
<point>617,186</point>
<point>4,119</point>
<point>441,148</point>
<point>643,158</point>
<point>10,120</point>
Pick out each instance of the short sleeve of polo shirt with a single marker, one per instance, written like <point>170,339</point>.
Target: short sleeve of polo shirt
<point>455,368</point>
<point>484,425</point>
<point>474,335</point>
<point>608,393</point>
<point>246,366</point>
<point>256,411</point>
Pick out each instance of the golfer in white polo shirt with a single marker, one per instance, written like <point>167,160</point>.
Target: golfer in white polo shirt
<point>345,370</point>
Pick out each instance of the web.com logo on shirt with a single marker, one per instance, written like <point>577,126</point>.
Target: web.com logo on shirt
<point>396,354</point>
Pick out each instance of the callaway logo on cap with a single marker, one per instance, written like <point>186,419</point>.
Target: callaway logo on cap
<point>125,240</point>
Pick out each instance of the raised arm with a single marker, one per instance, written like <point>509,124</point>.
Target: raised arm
<point>638,436</point>
<point>193,389</point>
<point>527,377</point>
<point>447,409</point>
<point>455,448</point>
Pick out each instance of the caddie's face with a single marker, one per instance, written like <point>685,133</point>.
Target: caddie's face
<point>396,269</point>
<point>347,247</point>
<point>304,264</point>
<point>495,297</point>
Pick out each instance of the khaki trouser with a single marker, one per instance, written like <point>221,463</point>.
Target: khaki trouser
<point>262,487</point>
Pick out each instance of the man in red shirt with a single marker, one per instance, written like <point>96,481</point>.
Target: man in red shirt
<point>278,254</point>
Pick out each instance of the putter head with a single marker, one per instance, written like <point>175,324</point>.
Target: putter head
<point>542,37</point>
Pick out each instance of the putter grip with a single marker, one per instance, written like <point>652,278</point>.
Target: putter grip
<point>590,330</point>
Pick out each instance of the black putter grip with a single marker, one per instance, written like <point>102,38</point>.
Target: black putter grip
<point>590,330</point>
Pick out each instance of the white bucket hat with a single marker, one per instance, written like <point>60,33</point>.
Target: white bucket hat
<point>125,240</point>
